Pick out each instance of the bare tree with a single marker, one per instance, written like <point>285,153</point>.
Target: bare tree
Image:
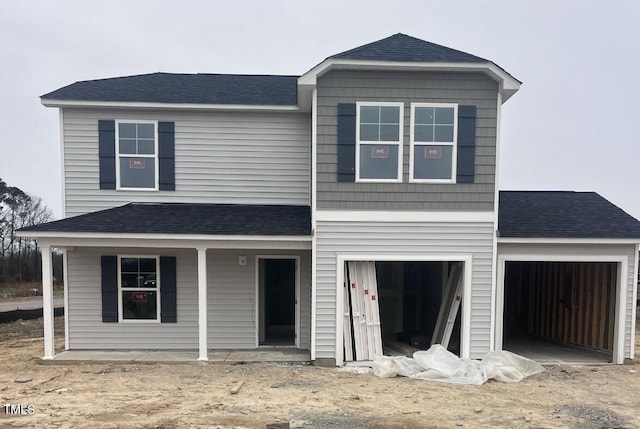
<point>19,256</point>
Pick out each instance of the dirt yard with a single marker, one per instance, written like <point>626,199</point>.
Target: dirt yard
<point>198,395</point>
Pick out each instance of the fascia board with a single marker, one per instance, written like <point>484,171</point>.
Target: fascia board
<point>170,106</point>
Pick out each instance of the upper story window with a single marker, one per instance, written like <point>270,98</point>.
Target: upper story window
<point>379,142</point>
<point>137,155</point>
<point>139,289</point>
<point>433,142</point>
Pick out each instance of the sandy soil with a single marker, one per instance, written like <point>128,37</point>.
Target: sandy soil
<point>197,395</point>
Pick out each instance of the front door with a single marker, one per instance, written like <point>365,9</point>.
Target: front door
<point>277,301</point>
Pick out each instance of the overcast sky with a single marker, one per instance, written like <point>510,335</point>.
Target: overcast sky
<point>571,126</point>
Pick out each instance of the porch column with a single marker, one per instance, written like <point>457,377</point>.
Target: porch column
<point>47,302</point>
<point>202,304</point>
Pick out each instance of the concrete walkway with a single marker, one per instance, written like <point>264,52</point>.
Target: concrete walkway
<point>87,357</point>
<point>28,304</point>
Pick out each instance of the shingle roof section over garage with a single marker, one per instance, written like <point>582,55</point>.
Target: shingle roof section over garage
<point>401,47</point>
<point>171,218</point>
<point>563,214</point>
<point>185,88</point>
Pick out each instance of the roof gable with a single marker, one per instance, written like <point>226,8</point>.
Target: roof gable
<point>401,47</point>
<point>563,214</point>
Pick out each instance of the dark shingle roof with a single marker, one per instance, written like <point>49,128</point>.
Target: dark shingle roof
<point>221,219</point>
<point>185,88</point>
<point>401,47</point>
<point>562,214</point>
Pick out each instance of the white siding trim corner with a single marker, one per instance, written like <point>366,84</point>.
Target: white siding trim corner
<point>634,299</point>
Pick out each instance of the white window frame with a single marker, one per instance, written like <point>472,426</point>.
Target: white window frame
<point>399,143</point>
<point>121,289</point>
<point>154,156</point>
<point>454,144</point>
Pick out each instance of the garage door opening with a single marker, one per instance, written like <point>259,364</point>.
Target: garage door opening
<point>416,302</point>
<point>560,312</point>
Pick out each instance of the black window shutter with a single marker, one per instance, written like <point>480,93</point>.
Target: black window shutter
<point>346,142</point>
<point>107,153</point>
<point>168,280</point>
<point>466,144</point>
<point>166,156</point>
<point>109,289</point>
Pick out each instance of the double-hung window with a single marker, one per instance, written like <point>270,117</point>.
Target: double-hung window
<point>137,155</point>
<point>379,142</point>
<point>434,133</point>
<point>139,291</point>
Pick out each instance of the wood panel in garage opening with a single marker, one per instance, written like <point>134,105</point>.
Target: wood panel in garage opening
<point>569,302</point>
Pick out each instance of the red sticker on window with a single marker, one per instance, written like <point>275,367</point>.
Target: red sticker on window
<point>380,152</point>
<point>432,152</point>
<point>139,297</point>
<point>136,163</point>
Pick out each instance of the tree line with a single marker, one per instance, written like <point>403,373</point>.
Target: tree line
<point>20,258</point>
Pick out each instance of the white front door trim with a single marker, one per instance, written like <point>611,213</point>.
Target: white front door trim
<point>296,258</point>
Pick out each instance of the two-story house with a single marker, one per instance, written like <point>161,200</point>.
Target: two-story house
<point>207,211</point>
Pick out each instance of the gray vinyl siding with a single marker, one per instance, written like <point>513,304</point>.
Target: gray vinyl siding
<point>403,238</point>
<point>232,298</point>
<point>86,330</point>
<point>220,157</point>
<point>624,251</point>
<point>407,87</point>
<point>230,293</point>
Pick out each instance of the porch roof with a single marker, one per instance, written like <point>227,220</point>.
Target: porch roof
<point>187,218</point>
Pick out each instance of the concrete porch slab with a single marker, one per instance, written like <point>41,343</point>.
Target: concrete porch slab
<point>94,356</point>
<point>271,355</point>
<point>89,357</point>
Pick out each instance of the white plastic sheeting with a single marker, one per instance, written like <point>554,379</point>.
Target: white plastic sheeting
<point>438,364</point>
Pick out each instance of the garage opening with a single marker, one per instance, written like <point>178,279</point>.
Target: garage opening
<point>416,300</point>
<point>559,312</point>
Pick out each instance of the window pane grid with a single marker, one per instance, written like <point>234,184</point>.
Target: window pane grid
<point>434,124</point>
<point>137,139</point>
<point>380,123</point>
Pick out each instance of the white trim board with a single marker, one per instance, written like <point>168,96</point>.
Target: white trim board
<point>314,207</point>
<point>291,243</point>
<point>63,169</point>
<point>465,329</point>
<point>496,208</point>
<point>174,106</point>
<point>621,292</point>
<point>543,240</point>
<point>402,216</point>
<point>634,308</point>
